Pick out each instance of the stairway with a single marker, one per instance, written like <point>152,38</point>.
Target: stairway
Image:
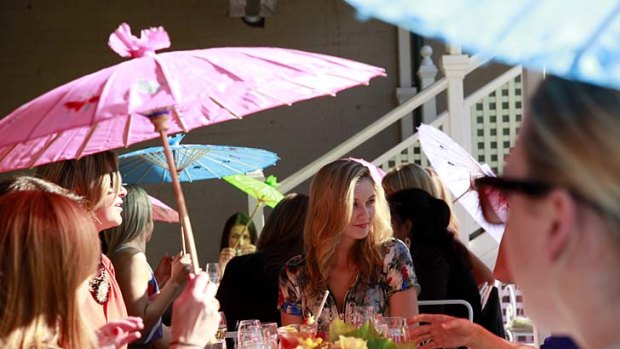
<point>487,120</point>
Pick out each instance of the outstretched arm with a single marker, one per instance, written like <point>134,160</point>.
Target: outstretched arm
<point>133,275</point>
<point>443,331</point>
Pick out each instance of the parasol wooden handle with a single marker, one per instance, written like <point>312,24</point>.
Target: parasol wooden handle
<point>160,123</point>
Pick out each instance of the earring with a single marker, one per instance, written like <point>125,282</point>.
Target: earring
<point>407,242</point>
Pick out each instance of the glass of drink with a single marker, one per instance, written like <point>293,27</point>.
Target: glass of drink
<point>289,336</point>
<point>249,334</point>
<point>360,314</point>
<point>396,328</point>
<point>270,334</point>
<point>308,330</point>
<point>213,270</point>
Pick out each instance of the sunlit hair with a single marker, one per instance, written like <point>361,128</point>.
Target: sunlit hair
<point>330,211</point>
<point>137,219</point>
<point>46,253</point>
<point>238,218</point>
<point>414,176</point>
<point>408,176</point>
<point>571,138</point>
<point>282,236</point>
<point>22,183</point>
<point>89,177</point>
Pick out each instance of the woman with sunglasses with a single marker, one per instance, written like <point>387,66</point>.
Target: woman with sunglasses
<point>562,193</point>
<point>97,179</point>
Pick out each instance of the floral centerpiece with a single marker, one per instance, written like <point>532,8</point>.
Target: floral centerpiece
<point>347,336</point>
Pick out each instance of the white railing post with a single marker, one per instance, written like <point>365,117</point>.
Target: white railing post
<point>455,68</point>
<point>458,127</point>
<point>427,74</point>
<point>405,91</point>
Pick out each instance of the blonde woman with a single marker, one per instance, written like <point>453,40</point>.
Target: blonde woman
<point>349,250</point>
<point>96,178</point>
<point>413,176</point>
<point>562,190</point>
<point>126,248</point>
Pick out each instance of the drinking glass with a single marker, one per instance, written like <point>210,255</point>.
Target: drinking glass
<point>213,270</point>
<point>289,336</point>
<point>308,330</point>
<point>250,336</point>
<point>360,314</point>
<point>396,328</point>
<point>270,334</point>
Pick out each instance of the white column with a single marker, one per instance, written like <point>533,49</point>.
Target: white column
<point>405,91</point>
<point>427,74</point>
<point>458,126</point>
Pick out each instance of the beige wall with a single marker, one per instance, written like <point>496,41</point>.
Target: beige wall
<point>46,43</point>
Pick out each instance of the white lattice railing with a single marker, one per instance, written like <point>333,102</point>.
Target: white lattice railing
<point>496,115</point>
<point>381,124</point>
<point>496,112</point>
<point>408,151</point>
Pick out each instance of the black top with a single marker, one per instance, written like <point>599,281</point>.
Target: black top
<point>247,291</point>
<point>444,274</point>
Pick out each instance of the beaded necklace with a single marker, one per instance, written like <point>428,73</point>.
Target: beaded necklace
<point>99,285</point>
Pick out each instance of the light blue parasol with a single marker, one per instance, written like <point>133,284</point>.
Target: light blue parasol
<point>193,162</point>
<point>575,39</point>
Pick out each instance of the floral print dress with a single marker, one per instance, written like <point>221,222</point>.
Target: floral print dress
<point>396,275</point>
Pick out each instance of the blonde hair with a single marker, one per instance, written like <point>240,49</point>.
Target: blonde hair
<point>47,251</point>
<point>137,219</point>
<point>87,177</point>
<point>414,176</point>
<point>408,176</point>
<point>571,139</point>
<point>22,183</point>
<point>330,209</point>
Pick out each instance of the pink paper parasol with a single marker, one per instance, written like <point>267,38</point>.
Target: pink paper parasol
<point>132,101</point>
<point>163,212</point>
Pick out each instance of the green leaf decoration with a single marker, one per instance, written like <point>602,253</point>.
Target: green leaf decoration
<point>367,331</point>
<point>272,181</point>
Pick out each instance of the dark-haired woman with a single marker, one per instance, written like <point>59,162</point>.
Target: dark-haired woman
<point>441,263</point>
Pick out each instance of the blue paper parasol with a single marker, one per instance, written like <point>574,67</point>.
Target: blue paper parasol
<point>575,39</point>
<point>193,162</point>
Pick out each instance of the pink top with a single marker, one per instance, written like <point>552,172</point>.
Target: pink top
<point>113,309</point>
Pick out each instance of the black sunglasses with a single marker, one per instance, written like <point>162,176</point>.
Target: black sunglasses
<point>492,194</point>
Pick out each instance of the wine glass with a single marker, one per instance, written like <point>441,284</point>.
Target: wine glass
<point>397,329</point>
<point>270,334</point>
<point>249,334</point>
<point>360,314</point>
<point>213,270</point>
